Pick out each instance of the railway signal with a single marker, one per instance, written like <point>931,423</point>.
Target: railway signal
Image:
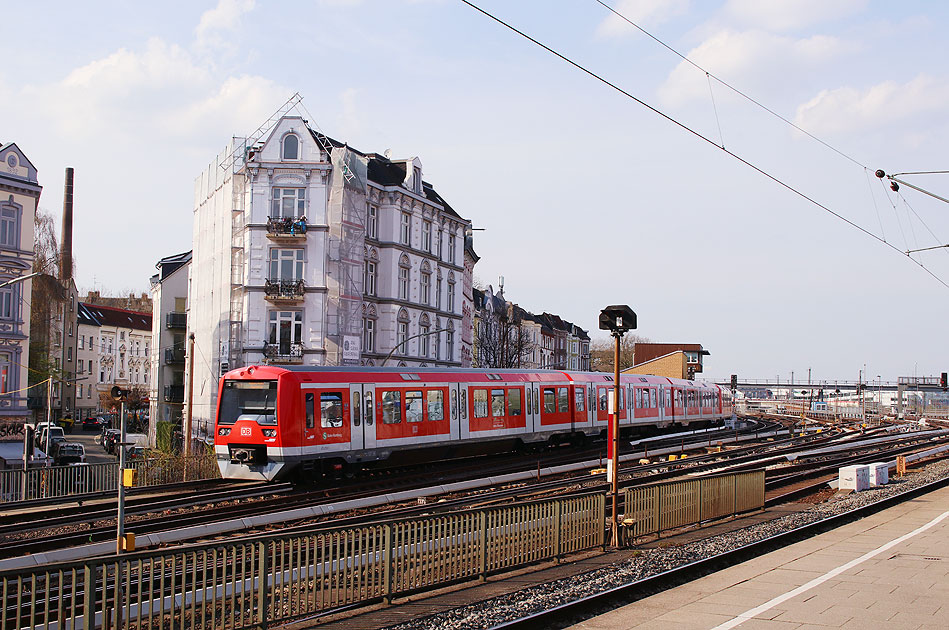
<point>618,319</point>
<point>942,381</point>
<point>734,382</point>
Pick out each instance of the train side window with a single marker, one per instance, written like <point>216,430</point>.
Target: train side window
<point>310,410</point>
<point>331,409</point>
<point>479,398</point>
<point>578,393</point>
<point>497,403</point>
<point>454,404</point>
<point>436,405</point>
<point>463,406</point>
<point>550,400</point>
<point>604,399</point>
<point>563,401</point>
<point>391,407</point>
<point>413,406</point>
<point>370,411</point>
<point>622,399</point>
<point>514,402</point>
<point>356,406</point>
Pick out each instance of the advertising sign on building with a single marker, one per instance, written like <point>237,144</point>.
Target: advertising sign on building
<point>350,349</point>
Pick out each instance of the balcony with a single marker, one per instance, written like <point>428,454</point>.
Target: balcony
<point>176,320</point>
<point>283,352</point>
<point>286,230</point>
<point>284,291</point>
<point>174,393</point>
<point>174,356</point>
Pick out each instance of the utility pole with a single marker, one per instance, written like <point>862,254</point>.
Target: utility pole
<point>187,427</point>
<point>618,319</point>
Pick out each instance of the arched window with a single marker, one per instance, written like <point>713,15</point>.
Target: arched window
<point>291,147</point>
<point>404,278</point>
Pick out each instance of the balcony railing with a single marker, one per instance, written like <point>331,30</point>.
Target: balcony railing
<point>284,352</point>
<point>176,320</point>
<point>174,355</point>
<point>285,227</point>
<point>284,290</point>
<point>174,393</point>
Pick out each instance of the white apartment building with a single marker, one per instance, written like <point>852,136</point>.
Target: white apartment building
<point>166,388</point>
<point>19,196</point>
<point>309,252</point>
<point>119,353</point>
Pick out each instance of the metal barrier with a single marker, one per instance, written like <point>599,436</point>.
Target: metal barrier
<point>60,481</point>
<point>652,509</point>
<point>260,581</point>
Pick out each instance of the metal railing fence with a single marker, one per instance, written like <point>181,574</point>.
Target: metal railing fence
<point>61,481</point>
<point>263,581</point>
<point>655,508</point>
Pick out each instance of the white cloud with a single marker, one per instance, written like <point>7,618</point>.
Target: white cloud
<point>746,59</point>
<point>226,16</point>
<point>785,15</point>
<point>643,13</point>
<point>848,109</point>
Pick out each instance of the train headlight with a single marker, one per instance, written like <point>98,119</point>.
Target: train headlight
<point>224,431</point>
<point>269,432</point>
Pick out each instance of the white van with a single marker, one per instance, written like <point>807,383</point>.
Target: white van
<point>47,434</point>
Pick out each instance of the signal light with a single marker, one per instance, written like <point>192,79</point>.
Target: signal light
<point>734,381</point>
<point>942,381</point>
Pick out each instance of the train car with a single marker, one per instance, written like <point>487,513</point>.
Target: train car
<point>277,421</point>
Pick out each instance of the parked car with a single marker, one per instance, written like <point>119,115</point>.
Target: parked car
<point>70,453</point>
<point>45,436</point>
<point>67,424</point>
<point>91,423</point>
<point>135,453</point>
<point>109,438</point>
<point>55,441</point>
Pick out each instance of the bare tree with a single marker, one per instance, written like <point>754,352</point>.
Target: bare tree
<point>45,244</point>
<point>502,342</point>
<point>602,351</point>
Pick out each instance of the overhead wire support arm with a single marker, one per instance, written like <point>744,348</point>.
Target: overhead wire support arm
<point>881,174</point>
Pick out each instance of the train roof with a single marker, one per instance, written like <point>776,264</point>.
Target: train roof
<point>403,374</point>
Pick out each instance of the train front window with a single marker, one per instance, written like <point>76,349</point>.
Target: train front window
<point>248,400</point>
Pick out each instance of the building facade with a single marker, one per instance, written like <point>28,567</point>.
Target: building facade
<point>116,344</point>
<point>309,252</point>
<point>169,298</point>
<point>19,196</point>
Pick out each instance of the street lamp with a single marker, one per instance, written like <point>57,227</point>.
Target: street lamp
<point>618,319</point>
<point>407,339</point>
<point>880,395</point>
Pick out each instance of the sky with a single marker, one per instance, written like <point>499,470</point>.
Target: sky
<point>583,196</point>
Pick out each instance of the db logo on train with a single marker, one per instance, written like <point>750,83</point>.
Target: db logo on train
<point>245,431</point>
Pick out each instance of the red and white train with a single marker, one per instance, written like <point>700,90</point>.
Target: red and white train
<point>273,421</point>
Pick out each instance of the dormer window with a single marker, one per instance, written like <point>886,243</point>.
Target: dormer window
<point>291,147</point>
<point>417,180</point>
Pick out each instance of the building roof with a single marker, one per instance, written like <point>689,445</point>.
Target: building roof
<point>170,264</point>
<point>98,315</point>
<point>386,172</point>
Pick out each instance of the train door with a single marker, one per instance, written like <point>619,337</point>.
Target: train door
<point>533,407</point>
<point>454,410</point>
<point>362,416</point>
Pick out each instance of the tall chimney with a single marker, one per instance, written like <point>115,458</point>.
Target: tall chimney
<point>65,251</point>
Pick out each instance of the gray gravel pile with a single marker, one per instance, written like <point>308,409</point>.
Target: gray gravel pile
<point>649,562</point>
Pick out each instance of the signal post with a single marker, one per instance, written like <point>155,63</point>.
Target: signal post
<point>618,319</point>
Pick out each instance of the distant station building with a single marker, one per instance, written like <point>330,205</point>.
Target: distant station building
<point>672,360</point>
<point>309,252</point>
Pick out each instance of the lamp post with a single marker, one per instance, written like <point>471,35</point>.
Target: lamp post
<point>618,319</point>
<point>407,339</point>
<point>880,399</point>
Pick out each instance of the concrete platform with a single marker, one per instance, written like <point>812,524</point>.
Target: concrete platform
<point>887,571</point>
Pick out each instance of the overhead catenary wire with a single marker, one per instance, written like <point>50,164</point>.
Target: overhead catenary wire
<point>706,139</point>
<point>726,84</point>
